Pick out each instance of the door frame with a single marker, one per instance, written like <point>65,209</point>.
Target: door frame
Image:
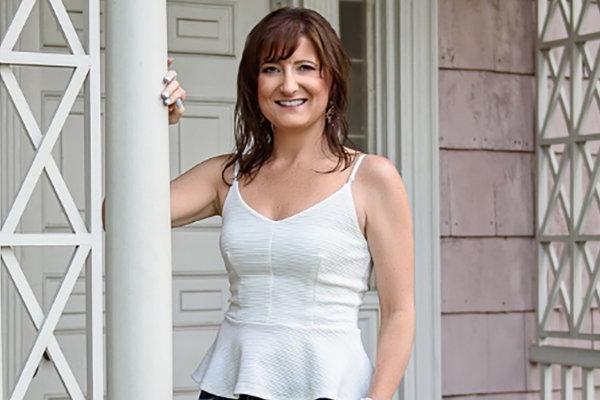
<point>406,120</point>
<point>406,132</point>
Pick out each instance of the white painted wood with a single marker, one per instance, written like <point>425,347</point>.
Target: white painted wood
<point>419,165</point>
<point>16,26</point>
<point>37,316</point>
<point>406,81</point>
<point>93,186</point>
<point>24,89</point>
<point>558,73</point>
<point>2,306</point>
<point>563,355</point>
<point>43,145</point>
<point>46,324</point>
<point>9,173</point>
<point>55,60</point>
<point>44,239</point>
<point>138,263</point>
<point>4,167</point>
<point>67,27</point>
<point>566,382</point>
<point>567,189</point>
<point>576,73</point>
<point>546,375</point>
<point>275,4</point>
<point>330,9</point>
<point>371,37</point>
<point>587,384</point>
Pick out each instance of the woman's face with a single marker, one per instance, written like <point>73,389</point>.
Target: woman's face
<point>291,93</point>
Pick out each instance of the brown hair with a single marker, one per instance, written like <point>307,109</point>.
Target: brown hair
<point>274,38</point>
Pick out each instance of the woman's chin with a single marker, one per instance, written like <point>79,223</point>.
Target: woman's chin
<point>292,125</point>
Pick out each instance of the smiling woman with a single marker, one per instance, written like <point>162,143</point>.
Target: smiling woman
<point>305,221</point>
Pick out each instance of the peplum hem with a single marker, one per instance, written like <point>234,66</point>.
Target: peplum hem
<point>285,362</point>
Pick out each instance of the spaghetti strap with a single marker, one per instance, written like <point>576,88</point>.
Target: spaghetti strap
<point>355,168</point>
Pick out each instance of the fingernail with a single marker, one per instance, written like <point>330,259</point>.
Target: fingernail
<point>165,94</point>
<point>167,78</point>
<point>167,101</point>
<point>179,103</point>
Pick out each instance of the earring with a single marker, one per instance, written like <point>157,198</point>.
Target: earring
<point>329,114</point>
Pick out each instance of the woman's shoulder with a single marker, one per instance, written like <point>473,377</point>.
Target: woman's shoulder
<point>378,174</point>
<point>215,166</point>
<point>381,189</point>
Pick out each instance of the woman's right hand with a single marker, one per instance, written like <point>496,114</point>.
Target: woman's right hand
<point>173,94</point>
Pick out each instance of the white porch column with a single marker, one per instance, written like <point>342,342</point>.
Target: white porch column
<point>138,226</point>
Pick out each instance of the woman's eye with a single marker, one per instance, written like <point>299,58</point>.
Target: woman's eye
<point>307,67</point>
<point>268,69</point>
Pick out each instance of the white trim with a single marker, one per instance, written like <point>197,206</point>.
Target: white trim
<point>10,178</point>
<point>94,288</point>
<point>420,155</point>
<point>407,133</point>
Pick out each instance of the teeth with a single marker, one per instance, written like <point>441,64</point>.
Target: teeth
<point>291,102</point>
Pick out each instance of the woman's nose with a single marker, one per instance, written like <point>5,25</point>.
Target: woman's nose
<point>289,85</point>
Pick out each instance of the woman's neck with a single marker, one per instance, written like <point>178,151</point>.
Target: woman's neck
<point>299,146</point>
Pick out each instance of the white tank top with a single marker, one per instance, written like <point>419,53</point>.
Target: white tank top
<point>291,329</point>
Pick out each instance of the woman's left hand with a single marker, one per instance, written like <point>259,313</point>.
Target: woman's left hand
<point>173,94</point>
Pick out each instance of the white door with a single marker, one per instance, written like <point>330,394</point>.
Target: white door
<point>206,39</point>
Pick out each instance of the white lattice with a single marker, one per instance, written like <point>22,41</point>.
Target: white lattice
<point>568,195</point>
<point>87,237</point>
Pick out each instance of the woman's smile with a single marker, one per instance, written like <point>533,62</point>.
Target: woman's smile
<point>296,103</point>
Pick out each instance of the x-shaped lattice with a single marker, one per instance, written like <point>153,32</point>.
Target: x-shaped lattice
<point>43,159</point>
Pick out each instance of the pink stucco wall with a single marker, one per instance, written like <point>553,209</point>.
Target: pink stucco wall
<point>487,175</point>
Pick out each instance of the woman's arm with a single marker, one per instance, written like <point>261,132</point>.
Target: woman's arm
<point>389,231</point>
<point>194,193</point>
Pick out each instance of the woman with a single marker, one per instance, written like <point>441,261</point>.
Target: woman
<point>300,234</point>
